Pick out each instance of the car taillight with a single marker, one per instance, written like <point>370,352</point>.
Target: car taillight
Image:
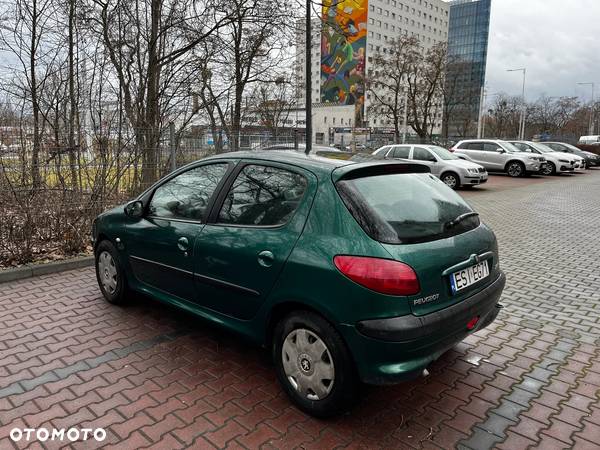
<point>380,275</point>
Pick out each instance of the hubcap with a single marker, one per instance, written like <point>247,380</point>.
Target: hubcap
<point>450,181</point>
<point>514,170</point>
<point>307,364</point>
<point>108,272</point>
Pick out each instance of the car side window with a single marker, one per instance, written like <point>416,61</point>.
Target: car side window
<point>187,195</point>
<point>522,147</point>
<point>402,151</point>
<point>263,196</point>
<point>476,146</point>
<point>421,154</point>
<point>489,147</point>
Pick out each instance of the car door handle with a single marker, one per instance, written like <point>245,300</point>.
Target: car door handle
<point>266,258</point>
<point>183,244</point>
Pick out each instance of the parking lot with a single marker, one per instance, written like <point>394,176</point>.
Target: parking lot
<point>153,376</point>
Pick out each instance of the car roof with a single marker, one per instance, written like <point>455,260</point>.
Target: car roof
<point>319,165</point>
<point>311,161</point>
<point>482,140</point>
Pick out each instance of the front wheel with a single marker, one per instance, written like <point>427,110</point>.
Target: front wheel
<point>451,180</point>
<point>110,274</point>
<point>314,365</point>
<point>549,169</point>
<point>515,169</point>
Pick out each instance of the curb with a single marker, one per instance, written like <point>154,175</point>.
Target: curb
<point>34,270</point>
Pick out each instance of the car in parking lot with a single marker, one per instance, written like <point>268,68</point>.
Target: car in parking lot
<point>591,159</point>
<point>449,168</point>
<point>499,156</point>
<point>556,162</point>
<point>346,271</point>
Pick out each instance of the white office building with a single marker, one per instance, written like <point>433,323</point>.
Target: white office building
<point>386,20</point>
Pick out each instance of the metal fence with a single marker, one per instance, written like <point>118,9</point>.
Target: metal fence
<point>50,193</point>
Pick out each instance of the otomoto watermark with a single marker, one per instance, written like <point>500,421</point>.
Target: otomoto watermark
<point>53,434</point>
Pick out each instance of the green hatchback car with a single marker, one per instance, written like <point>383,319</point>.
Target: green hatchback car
<point>347,271</point>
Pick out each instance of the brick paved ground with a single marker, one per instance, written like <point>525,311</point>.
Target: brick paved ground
<point>157,377</point>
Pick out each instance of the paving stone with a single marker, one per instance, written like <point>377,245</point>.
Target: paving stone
<point>527,380</point>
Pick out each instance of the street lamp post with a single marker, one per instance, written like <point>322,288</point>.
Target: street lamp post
<point>522,121</point>
<point>592,127</point>
<point>308,76</point>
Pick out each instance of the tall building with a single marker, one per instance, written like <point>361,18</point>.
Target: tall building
<point>345,39</point>
<point>467,57</point>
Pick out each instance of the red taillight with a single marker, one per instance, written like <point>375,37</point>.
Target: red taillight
<point>380,275</point>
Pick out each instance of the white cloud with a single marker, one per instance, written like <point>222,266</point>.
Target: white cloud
<point>556,40</point>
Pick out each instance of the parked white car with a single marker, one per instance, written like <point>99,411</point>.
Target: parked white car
<point>556,162</point>
<point>452,170</point>
<point>589,140</point>
<point>499,156</point>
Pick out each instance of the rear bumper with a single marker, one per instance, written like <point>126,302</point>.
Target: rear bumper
<point>396,349</point>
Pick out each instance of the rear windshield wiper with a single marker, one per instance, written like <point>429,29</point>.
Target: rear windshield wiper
<point>452,223</point>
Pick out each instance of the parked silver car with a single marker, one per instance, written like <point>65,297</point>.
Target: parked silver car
<point>449,168</point>
<point>499,156</point>
<point>556,162</point>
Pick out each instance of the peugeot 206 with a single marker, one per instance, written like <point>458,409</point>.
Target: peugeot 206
<point>347,272</point>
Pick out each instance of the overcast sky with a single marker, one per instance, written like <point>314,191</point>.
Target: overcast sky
<point>556,40</point>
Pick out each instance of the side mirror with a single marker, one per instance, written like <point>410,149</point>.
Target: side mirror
<point>134,209</point>
<point>500,150</point>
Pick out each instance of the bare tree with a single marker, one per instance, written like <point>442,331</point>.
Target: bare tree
<point>147,49</point>
<point>30,36</point>
<point>425,90</point>
<point>272,103</point>
<point>243,53</point>
<point>387,83</point>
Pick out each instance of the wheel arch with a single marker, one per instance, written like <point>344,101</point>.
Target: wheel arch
<point>508,163</point>
<point>281,309</point>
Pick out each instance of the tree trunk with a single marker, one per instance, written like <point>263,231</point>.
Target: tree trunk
<point>72,98</point>
<point>35,156</point>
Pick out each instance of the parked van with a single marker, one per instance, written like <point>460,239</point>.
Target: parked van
<point>589,140</point>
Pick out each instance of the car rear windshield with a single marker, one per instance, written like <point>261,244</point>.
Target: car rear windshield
<point>406,208</point>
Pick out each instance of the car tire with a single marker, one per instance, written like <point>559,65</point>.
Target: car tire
<point>451,180</point>
<point>515,169</point>
<point>551,169</point>
<point>109,273</point>
<point>313,365</point>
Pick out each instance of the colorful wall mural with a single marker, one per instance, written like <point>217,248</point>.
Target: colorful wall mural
<point>343,54</point>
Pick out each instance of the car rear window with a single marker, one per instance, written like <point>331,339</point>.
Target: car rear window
<point>405,208</point>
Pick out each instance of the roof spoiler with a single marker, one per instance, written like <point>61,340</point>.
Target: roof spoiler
<point>352,172</point>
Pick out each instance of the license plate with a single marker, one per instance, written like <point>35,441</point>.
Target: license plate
<point>467,277</point>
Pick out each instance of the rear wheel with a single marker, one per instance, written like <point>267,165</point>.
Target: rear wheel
<point>313,365</point>
<point>110,274</point>
<point>515,169</point>
<point>451,180</point>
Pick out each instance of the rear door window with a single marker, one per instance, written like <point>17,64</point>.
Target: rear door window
<point>475,146</point>
<point>406,208</point>
<point>402,152</point>
<point>263,196</point>
<point>421,154</point>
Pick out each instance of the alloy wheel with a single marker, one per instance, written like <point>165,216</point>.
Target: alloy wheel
<point>547,169</point>
<point>450,181</point>
<point>308,364</point>
<point>108,272</point>
<point>515,170</point>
